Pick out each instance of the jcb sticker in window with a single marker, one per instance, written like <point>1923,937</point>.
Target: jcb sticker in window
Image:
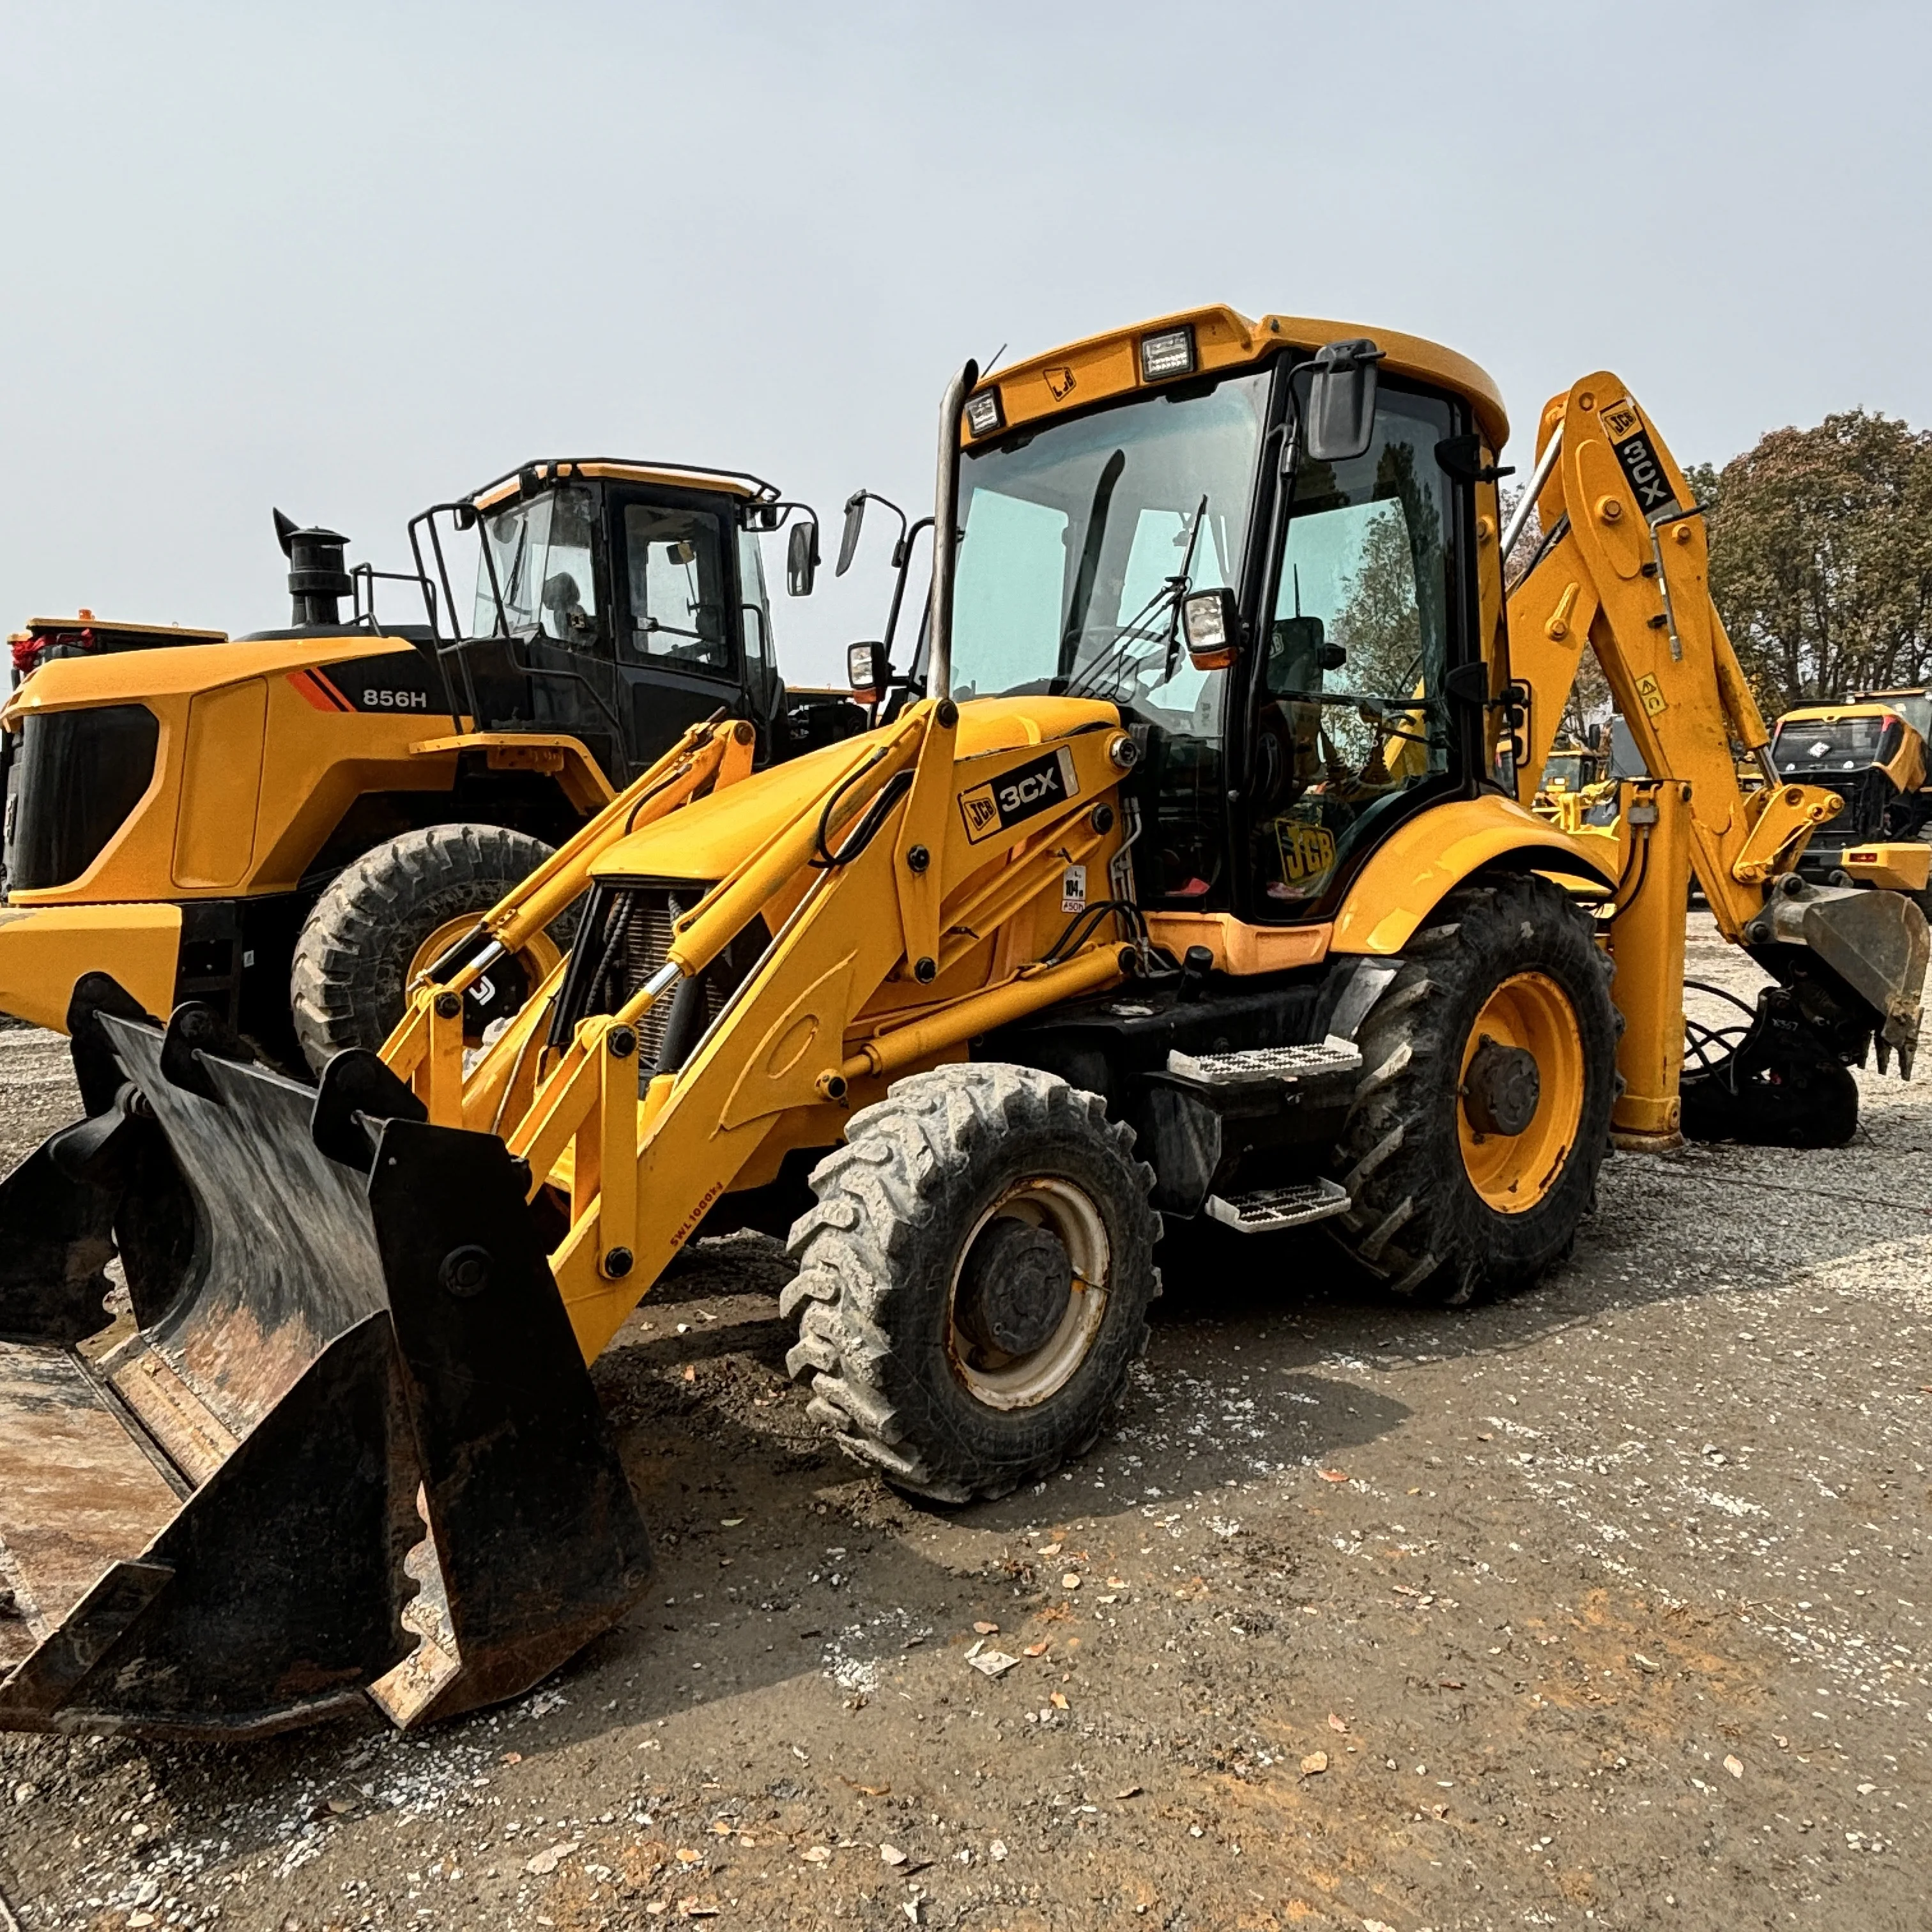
<point>1307,851</point>
<point>1036,786</point>
<point>1653,698</point>
<point>1641,469</point>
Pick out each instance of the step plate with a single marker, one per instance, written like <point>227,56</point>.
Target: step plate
<point>1263,1209</point>
<point>1285,1064</point>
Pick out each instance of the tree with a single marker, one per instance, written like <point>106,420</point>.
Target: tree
<point>1821,557</point>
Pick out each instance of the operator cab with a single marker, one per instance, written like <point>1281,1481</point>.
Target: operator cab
<point>1318,518</point>
<point>624,603</point>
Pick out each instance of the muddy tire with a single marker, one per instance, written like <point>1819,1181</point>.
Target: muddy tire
<point>369,931</point>
<point>974,1283</point>
<point>1469,1174</point>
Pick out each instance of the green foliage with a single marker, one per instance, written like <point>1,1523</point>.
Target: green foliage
<point>1821,557</point>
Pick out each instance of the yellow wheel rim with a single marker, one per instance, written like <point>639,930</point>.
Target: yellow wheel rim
<point>536,959</point>
<point>1514,1171</point>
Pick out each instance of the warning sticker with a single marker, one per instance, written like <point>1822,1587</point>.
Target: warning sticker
<point>1651,697</point>
<point>1073,890</point>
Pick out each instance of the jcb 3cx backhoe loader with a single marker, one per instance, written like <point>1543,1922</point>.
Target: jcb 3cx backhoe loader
<point>1193,880</point>
<point>287,827</point>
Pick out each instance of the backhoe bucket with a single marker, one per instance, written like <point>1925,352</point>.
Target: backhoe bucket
<point>349,1447</point>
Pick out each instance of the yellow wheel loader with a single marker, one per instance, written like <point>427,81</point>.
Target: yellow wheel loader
<point>1193,876</point>
<point>288,826</point>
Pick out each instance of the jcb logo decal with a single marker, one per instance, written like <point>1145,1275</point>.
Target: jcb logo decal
<point>1641,469</point>
<point>1651,697</point>
<point>1307,851</point>
<point>1036,786</point>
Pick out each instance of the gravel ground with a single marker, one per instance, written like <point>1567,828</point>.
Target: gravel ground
<point>1596,1607</point>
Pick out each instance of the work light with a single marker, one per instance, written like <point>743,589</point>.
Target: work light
<point>982,412</point>
<point>1171,353</point>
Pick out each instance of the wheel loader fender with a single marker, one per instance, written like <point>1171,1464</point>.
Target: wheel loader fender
<point>1411,871</point>
<point>580,777</point>
<point>45,950</point>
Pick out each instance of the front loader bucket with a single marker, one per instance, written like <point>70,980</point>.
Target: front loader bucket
<point>350,1448</point>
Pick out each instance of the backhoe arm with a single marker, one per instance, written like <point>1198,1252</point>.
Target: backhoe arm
<point>1623,567</point>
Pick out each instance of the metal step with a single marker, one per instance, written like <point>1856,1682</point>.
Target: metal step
<point>1260,1210</point>
<point>1286,1065</point>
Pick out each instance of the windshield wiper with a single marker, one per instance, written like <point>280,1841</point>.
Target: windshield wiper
<point>1144,626</point>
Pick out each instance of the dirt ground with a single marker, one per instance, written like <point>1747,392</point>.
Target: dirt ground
<point>1597,1607</point>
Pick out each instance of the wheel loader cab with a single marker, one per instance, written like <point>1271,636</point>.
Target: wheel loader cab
<point>621,611</point>
<point>1269,779</point>
<point>1871,752</point>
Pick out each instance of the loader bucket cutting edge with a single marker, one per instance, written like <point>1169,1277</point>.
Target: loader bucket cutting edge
<point>332,1461</point>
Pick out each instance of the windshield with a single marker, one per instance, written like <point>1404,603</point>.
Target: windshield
<point>1832,744</point>
<point>541,548</point>
<point>1079,538</point>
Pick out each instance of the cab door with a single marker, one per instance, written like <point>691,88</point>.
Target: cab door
<point>680,639</point>
<point>1368,605</point>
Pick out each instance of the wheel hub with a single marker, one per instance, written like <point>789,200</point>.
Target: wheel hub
<point>1501,1089</point>
<point>1013,1290</point>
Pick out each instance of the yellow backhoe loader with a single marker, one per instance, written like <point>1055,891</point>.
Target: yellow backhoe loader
<point>1190,874</point>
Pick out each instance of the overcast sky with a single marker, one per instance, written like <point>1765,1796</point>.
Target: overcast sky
<point>349,259</point>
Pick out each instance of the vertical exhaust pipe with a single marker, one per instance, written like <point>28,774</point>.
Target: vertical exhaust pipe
<point>946,533</point>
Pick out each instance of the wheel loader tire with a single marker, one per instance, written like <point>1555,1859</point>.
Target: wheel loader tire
<point>374,926</point>
<point>941,1327</point>
<point>1468,1175</point>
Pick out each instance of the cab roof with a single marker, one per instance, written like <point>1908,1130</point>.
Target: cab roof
<point>1099,367</point>
<point>527,476</point>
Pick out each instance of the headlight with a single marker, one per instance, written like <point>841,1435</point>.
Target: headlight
<point>1169,353</point>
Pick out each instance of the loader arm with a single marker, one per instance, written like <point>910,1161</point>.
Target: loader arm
<point>1624,569</point>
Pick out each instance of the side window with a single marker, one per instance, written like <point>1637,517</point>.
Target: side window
<point>758,647</point>
<point>1352,710</point>
<point>677,617</point>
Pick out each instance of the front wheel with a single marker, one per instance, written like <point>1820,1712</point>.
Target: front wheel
<point>1471,1153</point>
<point>974,1281</point>
<point>393,914</point>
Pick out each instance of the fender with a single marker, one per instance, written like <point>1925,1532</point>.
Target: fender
<point>554,754</point>
<point>1411,871</point>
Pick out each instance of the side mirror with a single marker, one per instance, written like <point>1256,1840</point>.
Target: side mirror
<point>1210,622</point>
<point>1342,401</point>
<point>867,671</point>
<point>1594,737</point>
<point>802,558</point>
<point>848,537</point>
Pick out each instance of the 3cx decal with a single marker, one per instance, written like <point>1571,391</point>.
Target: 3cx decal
<point>1643,471</point>
<point>1036,786</point>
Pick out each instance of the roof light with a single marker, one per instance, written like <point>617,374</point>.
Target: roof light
<point>1169,353</point>
<point>983,414</point>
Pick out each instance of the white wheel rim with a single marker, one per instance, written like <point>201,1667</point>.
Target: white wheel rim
<point>1024,1381</point>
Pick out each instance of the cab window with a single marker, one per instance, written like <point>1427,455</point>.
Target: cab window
<point>672,570</point>
<point>541,559</point>
<point>1352,712</point>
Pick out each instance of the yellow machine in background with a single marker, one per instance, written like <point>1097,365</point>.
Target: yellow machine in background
<point>287,827</point>
<point>1871,753</point>
<point>1194,878</point>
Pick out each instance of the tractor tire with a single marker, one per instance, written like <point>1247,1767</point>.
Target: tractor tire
<point>1469,1171</point>
<point>974,1283</point>
<point>389,914</point>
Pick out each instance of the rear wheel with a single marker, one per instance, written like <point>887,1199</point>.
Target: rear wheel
<point>391,915</point>
<point>1490,1071</point>
<point>974,1281</point>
